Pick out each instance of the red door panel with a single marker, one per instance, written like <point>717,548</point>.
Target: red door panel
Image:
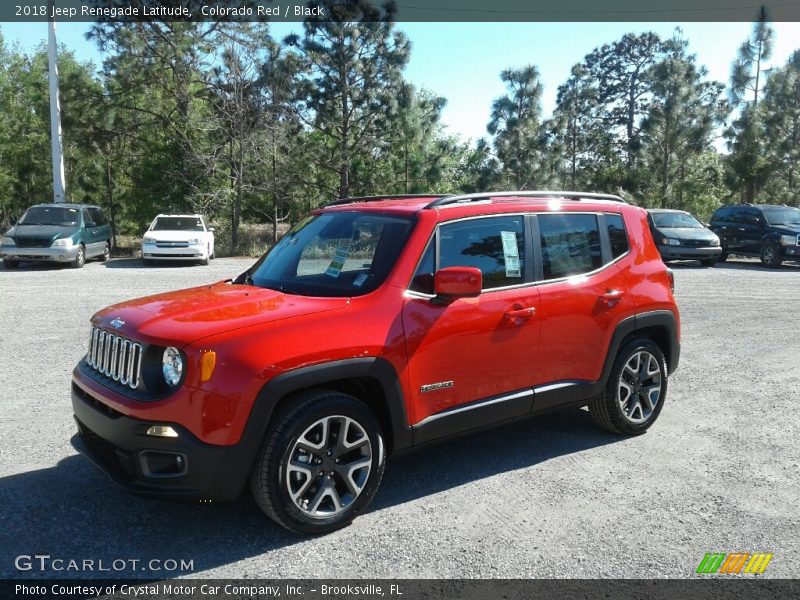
<point>577,319</point>
<point>485,346</point>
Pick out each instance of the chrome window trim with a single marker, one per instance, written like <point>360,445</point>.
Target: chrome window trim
<point>408,292</point>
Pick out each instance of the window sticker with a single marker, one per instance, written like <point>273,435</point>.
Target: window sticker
<point>511,253</point>
<point>359,281</point>
<point>339,258</point>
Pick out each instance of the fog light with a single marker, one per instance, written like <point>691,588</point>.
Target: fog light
<point>162,464</point>
<point>162,431</point>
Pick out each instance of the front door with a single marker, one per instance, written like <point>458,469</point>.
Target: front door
<point>474,349</point>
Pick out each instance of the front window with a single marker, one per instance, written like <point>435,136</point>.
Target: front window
<point>782,216</point>
<point>178,224</point>
<point>676,221</point>
<point>333,254</point>
<point>51,215</point>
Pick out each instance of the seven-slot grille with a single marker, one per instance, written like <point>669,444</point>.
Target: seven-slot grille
<point>115,357</point>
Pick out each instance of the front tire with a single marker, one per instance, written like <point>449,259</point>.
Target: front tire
<point>321,463</point>
<point>770,255</point>
<point>709,262</point>
<point>636,390</point>
<point>80,258</point>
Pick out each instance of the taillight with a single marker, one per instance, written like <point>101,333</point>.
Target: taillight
<point>671,276</point>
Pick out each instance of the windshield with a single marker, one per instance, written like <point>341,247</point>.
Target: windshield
<point>333,254</point>
<point>782,216</point>
<point>178,224</point>
<point>51,215</point>
<point>675,221</point>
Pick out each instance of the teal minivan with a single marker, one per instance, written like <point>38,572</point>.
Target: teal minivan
<point>62,233</point>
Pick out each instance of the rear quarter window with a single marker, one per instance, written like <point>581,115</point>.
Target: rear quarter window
<point>617,235</point>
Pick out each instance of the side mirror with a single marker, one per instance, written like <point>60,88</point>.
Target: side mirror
<point>457,282</point>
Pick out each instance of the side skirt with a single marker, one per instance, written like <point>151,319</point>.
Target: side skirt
<point>500,409</point>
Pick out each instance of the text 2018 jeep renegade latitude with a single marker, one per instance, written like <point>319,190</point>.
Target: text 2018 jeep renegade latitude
<point>375,325</point>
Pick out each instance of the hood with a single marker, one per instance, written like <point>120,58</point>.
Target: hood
<point>687,233</point>
<point>788,229</point>
<point>179,235</point>
<point>41,231</point>
<point>185,316</point>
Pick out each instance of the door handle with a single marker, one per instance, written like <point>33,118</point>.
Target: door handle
<point>612,297</point>
<point>521,313</point>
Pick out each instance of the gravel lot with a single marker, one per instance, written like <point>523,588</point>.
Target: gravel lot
<point>552,497</point>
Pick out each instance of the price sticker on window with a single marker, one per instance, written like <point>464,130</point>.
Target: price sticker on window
<point>511,253</point>
<point>339,258</point>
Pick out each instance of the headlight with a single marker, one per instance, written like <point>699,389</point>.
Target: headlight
<point>195,242</point>
<point>786,240</point>
<point>670,242</point>
<point>714,241</point>
<point>64,242</point>
<point>7,241</point>
<point>148,240</point>
<point>172,366</point>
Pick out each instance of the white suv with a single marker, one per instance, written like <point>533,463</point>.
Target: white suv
<point>178,237</point>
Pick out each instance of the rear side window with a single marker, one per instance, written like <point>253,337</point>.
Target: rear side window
<point>570,245</point>
<point>617,236</point>
<point>495,245</point>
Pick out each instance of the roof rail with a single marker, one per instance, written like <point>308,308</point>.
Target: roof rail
<point>355,199</point>
<point>447,200</point>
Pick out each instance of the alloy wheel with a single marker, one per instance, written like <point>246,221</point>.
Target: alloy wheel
<point>639,389</point>
<point>328,466</point>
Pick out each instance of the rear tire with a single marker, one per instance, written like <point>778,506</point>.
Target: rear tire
<point>321,463</point>
<point>770,255</point>
<point>106,252</point>
<point>10,264</point>
<point>636,389</point>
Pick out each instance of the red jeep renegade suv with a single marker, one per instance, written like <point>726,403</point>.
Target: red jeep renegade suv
<point>375,325</point>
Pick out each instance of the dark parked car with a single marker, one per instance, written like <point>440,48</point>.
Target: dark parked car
<point>767,231</point>
<point>62,233</point>
<point>680,236</point>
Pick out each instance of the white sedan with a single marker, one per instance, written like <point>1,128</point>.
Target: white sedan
<point>178,237</point>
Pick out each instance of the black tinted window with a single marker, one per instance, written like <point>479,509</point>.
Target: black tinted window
<point>617,236</point>
<point>570,245</point>
<point>721,213</point>
<point>98,216</point>
<point>495,245</point>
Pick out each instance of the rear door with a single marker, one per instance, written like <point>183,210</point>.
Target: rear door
<point>91,239</point>
<point>583,294</point>
<point>473,349</point>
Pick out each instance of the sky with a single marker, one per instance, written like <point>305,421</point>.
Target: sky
<point>463,61</point>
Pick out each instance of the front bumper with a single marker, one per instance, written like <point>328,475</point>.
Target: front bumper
<point>687,253</point>
<point>790,252</point>
<point>53,253</point>
<point>178,468</point>
<point>153,252</point>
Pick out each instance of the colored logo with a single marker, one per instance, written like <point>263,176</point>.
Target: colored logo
<point>734,562</point>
